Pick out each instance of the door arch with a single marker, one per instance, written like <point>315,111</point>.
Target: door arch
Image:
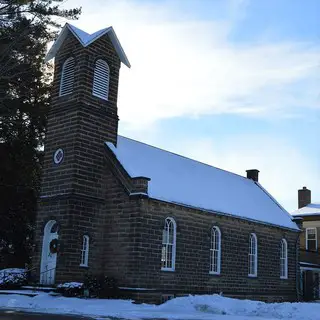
<point>48,259</point>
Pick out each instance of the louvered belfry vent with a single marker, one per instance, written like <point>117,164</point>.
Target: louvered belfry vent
<point>67,77</point>
<point>101,80</point>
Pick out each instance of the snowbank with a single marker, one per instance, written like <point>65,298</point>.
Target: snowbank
<point>192,307</point>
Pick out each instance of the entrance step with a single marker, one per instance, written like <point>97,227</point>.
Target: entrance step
<point>28,293</point>
<point>31,291</point>
<point>39,288</point>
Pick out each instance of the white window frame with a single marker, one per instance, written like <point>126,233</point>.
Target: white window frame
<point>62,78</point>
<point>316,237</point>
<point>169,225</point>
<point>101,80</point>
<point>215,250</point>
<point>253,254</point>
<point>283,259</point>
<point>85,251</point>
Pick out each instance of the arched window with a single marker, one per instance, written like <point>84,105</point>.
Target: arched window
<point>101,80</point>
<point>253,256</point>
<point>168,254</point>
<point>215,251</point>
<point>67,77</point>
<point>85,251</point>
<point>284,259</point>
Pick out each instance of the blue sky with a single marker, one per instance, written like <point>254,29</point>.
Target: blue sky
<point>233,83</point>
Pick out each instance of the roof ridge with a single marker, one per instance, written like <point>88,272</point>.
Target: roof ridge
<point>90,37</point>
<point>75,31</point>
<point>316,204</point>
<point>273,199</point>
<point>86,39</point>
<point>181,180</point>
<point>185,157</point>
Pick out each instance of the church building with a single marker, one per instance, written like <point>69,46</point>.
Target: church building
<point>161,224</point>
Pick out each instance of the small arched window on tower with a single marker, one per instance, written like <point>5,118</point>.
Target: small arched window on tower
<point>101,78</point>
<point>67,77</point>
<point>85,251</point>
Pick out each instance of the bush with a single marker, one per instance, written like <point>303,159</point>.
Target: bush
<point>100,286</point>
<point>12,278</point>
<point>70,289</point>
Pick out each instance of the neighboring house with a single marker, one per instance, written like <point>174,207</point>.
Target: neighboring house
<point>309,244</point>
<point>163,225</point>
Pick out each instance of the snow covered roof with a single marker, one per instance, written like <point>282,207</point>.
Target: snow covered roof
<point>86,39</point>
<point>312,209</point>
<point>177,179</point>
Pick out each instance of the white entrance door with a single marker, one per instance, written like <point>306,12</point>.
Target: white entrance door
<point>48,259</point>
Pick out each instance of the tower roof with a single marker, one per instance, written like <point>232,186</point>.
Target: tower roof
<point>86,39</point>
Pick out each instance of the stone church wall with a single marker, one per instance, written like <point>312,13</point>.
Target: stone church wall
<point>191,273</point>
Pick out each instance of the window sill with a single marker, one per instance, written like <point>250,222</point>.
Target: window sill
<point>100,97</point>
<point>252,276</point>
<point>167,269</point>
<point>84,266</point>
<point>66,96</point>
<point>214,273</point>
<point>284,278</point>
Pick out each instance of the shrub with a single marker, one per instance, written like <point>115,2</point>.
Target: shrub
<point>101,286</point>
<point>12,278</point>
<point>70,289</point>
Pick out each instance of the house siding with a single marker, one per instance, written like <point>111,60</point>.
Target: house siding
<point>309,260</point>
<point>309,222</point>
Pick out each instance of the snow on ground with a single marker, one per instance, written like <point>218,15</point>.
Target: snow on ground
<point>204,307</point>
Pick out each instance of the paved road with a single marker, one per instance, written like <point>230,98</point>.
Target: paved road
<point>15,315</point>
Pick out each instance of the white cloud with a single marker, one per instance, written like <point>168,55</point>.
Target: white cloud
<point>182,66</point>
<point>283,169</point>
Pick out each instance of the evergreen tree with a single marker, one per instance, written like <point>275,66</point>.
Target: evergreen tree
<point>26,28</point>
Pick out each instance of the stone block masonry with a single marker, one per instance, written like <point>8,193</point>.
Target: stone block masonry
<point>191,273</point>
<point>90,193</point>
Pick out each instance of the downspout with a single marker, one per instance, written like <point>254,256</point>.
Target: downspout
<point>298,221</point>
<point>298,273</point>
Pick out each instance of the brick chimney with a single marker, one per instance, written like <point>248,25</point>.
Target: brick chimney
<point>304,197</point>
<point>253,174</point>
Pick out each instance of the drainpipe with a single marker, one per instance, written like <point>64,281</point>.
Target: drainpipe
<point>298,276</point>
<point>298,221</point>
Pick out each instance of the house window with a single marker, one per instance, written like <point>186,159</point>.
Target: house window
<point>168,253</point>
<point>67,77</point>
<point>215,251</point>
<point>284,259</point>
<point>85,251</point>
<point>253,256</point>
<point>101,80</point>
<point>311,239</point>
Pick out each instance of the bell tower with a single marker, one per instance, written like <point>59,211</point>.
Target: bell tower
<point>83,115</point>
